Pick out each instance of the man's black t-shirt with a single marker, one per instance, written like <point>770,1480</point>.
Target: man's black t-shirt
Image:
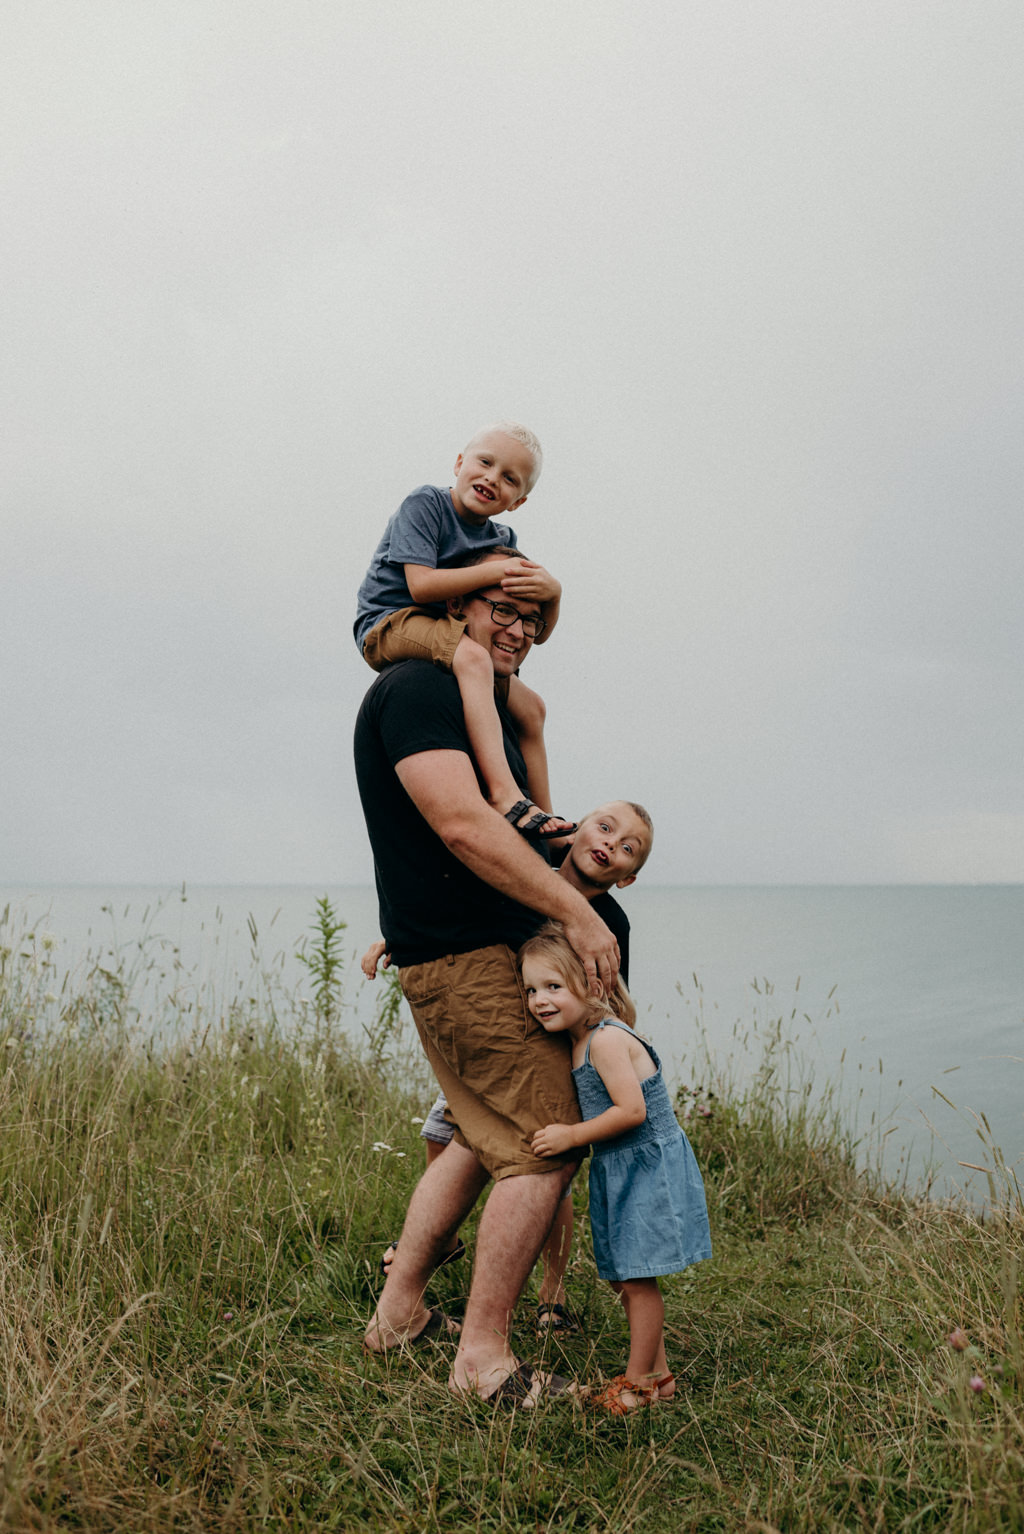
<point>430,902</point>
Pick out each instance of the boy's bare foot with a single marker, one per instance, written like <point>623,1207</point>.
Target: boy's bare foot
<point>540,823</point>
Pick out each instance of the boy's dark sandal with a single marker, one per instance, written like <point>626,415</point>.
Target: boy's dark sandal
<point>457,1251</point>
<point>517,1387</point>
<point>555,1318</point>
<point>533,825</point>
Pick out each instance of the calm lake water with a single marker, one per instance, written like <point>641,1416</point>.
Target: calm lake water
<point>895,994</point>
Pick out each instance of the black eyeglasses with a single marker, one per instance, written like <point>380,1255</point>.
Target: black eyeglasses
<point>505,615</point>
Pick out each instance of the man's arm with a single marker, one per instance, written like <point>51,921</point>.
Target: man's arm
<point>443,787</point>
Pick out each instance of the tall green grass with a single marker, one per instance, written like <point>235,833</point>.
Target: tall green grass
<point>192,1209</point>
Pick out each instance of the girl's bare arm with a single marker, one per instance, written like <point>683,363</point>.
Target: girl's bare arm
<point>610,1057</point>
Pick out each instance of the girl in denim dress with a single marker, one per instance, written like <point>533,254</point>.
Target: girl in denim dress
<point>648,1213</point>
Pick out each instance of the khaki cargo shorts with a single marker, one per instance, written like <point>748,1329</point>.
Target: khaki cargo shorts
<point>503,1076</point>
<point>413,634</point>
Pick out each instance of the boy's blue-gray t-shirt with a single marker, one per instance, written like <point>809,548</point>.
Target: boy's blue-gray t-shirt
<point>425,530</point>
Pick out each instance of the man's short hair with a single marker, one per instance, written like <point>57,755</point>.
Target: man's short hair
<point>482,556</point>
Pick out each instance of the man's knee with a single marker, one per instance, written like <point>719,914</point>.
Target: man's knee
<point>471,662</point>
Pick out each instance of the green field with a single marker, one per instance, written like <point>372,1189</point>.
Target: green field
<point>193,1207</point>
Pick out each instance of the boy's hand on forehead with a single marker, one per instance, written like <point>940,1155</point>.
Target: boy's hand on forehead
<point>529,580</point>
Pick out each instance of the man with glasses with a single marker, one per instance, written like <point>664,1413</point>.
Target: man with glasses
<point>459,891</point>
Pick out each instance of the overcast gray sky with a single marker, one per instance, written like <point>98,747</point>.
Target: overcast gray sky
<point>752,272</point>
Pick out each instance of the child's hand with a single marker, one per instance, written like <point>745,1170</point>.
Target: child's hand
<point>552,1140</point>
<point>375,952</point>
<point>529,580</point>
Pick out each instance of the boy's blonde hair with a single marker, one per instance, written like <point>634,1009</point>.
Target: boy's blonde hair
<point>644,817</point>
<point>552,944</point>
<point>521,434</point>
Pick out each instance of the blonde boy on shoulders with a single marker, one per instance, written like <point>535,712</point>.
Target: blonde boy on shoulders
<point>419,565</point>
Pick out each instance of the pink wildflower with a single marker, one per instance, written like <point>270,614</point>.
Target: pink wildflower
<point>958,1339</point>
<point>976,1383</point>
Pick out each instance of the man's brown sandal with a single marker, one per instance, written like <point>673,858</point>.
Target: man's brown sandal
<point>517,1388</point>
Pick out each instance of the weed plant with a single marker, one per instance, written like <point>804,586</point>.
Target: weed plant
<point>190,1232</point>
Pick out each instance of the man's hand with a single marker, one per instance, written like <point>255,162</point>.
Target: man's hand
<point>553,1140</point>
<point>597,949</point>
<point>526,579</point>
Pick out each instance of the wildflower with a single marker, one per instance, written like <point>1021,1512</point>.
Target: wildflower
<point>229,1315</point>
<point>976,1383</point>
<point>958,1339</point>
<point>415,1120</point>
<point>381,1145</point>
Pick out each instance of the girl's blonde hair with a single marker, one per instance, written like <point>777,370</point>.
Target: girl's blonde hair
<point>551,943</point>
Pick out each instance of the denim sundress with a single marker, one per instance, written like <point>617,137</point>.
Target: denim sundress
<point>648,1212</point>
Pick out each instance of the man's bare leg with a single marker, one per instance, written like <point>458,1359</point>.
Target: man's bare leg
<point>443,1197</point>
<point>512,1230</point>
<point>432,1149</point>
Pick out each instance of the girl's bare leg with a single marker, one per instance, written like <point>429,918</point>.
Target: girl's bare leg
<point>645,1311</point>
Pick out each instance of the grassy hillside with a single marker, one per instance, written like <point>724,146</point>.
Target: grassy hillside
<point>189,1233</point>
